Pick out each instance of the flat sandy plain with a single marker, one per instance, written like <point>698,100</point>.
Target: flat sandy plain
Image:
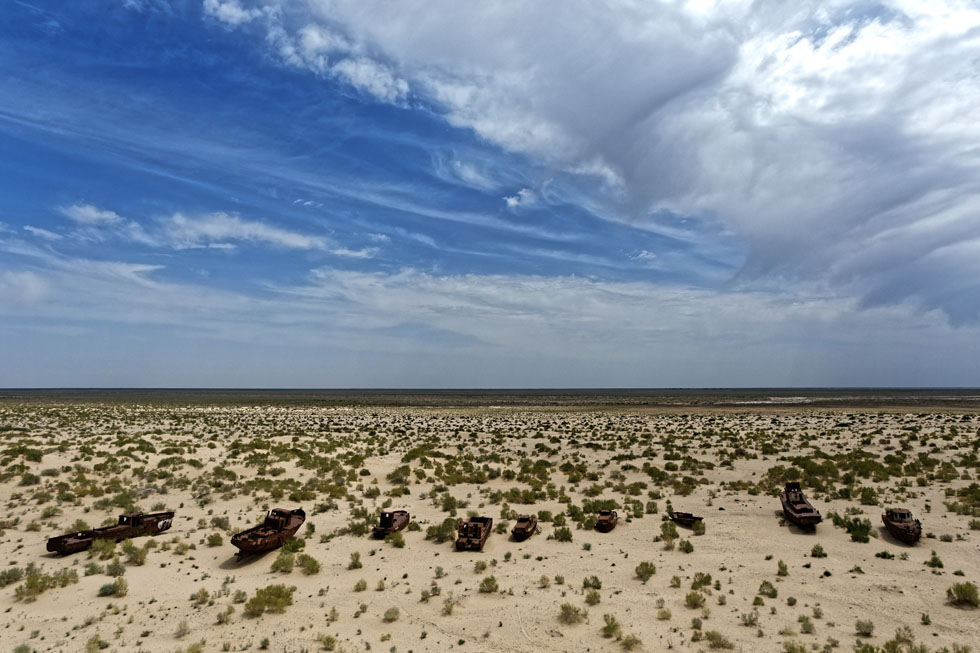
<point>221,459</point>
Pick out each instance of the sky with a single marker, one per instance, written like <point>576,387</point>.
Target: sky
<point>360,193</point>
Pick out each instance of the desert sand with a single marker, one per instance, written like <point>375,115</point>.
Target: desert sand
<point>221,466</point>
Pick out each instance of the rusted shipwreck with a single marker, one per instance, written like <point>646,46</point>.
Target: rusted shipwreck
<point>131,524</point>
<point>796,508</point>
<point>278,527</point>
<point>471,535</point>
<point>606,521</point>
<point>390,522</point>
<point>526,526</point>
<point>684,518</point>
<point>902,526</point>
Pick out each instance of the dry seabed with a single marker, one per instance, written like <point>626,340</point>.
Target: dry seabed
<point>748,582</point>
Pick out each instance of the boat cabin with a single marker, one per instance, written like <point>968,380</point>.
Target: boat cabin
<point>899,515</point>
<point>131,519</point>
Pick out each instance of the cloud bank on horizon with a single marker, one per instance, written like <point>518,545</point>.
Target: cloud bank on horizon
<point>438,193</point>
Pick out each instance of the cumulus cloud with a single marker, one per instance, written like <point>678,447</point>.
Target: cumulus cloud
<point>230,11</point>
<point>525,197</point>
<point>835,138</point>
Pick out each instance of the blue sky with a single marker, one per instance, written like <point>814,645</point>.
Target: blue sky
<point>355,194</point>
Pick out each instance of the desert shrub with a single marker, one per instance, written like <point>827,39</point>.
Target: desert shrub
<point>284,563</point>
<point>645,571</point>
<point>701,579</point>
<point>488,585</point>
<point>750,619</point>
<point>685,546</point>
<point>592,597</point>
<point>806,626</point>
<point>442,532</point>
<point>592,582</point>
<point>864,628</point>
<point>563,534</point>
<point>360,585</point>
<point>963,595</point>
<point>569,614</point>
<point>668,530</point>
<point>37,582</point>
<point>782,569</point>
<point>102,549</point>
<point>391,615</point>
<point>611,628</point>
<point>118,588</point>
<point>663,614</point>
<point>630,642</point>
<point>274,599</point>
<point>859,529</point>
<point>396,539</point>
<point>355,561</point>
<point>717,640</point>
<point>699,527</point>
<point>215,539</point>
<point>115,568</point>
<point>308,564</point>
<point>694,600</point>
<point>479,566</point>
<point>12,575</point>
<point>135,555</point>
<point>768,589</point>
<point>934,561</point>
<point>817,551</point>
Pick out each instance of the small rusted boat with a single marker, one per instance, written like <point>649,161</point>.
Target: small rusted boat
<point>683,518</point>
<point>471,535</point>
<point>525,527</point>
<point>796,508</point>
<point>390,522</point>
<point>279,526</point>
<point>131,524</point>
<point>901,525</point>
<point>606,521</point>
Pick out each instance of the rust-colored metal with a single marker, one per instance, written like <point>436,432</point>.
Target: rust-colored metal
<point>472,534</point>
<point>902,526</point>
<point>390,522</point>
<point>279,526</point>
<point>796,508</point>
<point>607,521</point>
<point>131,524</point>
<point>526,526</point>
<point>684,518</point>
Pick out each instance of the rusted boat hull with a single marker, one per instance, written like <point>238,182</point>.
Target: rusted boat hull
<point>797,509</point>
<point>526,527</point>
<point>279,526</point>
<point>472,535</point>
<point>607,521</point>
<point>130,525</point>
<point>907,531</point>
<point>391,522</point>
<point>684,518</point>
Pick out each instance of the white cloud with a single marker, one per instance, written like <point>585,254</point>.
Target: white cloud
<point>87,214</point>
<point>24,287</point>
<point>525,197</point>
<point>364,253</point>
<point>230,11</point>
<point>213,229</point>
<point>828,135</point>
<point>42,233</point>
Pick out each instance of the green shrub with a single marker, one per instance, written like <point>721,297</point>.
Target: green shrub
<point>963,595</point>
<point>135,555</point>
<point>685,546</point>
<point>37,582</point>
<point>592,582</point>
<point>118,588</point>
<point>569,614</point>
<point>391,615</point>
<point>768,589</point>
<point>611,628</point>
<point>717,640</point>
<point>273,599</point>
<point>284,563</point>
<point>563,534</point>
<point>355,561</point>
<point>12,575</point>
<point>694,600</point>
<point>630,642</point>
<point>699,527</point>
<point>215,539</point>
<point>645,571</point>
<point>396,539</point>
<point>308,564</point>
<point>592,597</point>
<point>864,628</point>
<point>488,585</point>
<point>817,551</point>
<point>102,549</point>
<point>443,532</point>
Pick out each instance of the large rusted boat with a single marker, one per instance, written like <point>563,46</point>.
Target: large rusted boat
<point>279,525</point>
<point>525,527</point>
<point>796,508</point>
<point>472,534</point>
<point>390,522</point>
<point>606,521</point>
<point>131,524</point>
<point>683,518</point>
<point>901,525</point>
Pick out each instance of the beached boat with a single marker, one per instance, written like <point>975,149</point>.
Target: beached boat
<point>472,534</point>
<point>796,508</point>
<point>683,518</point>
<point>606,521</point>
<point>390,522</point>
<point>279,526</point>
<point>131,524</point>
<point>901,525</point>
<point>525,527</point>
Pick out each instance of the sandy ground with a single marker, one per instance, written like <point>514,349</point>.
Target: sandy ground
<point>744,538</point>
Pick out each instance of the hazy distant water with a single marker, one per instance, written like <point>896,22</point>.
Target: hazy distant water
<point>730,397</point>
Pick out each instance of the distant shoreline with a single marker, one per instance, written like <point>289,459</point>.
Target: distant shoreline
<point>667,398</point>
